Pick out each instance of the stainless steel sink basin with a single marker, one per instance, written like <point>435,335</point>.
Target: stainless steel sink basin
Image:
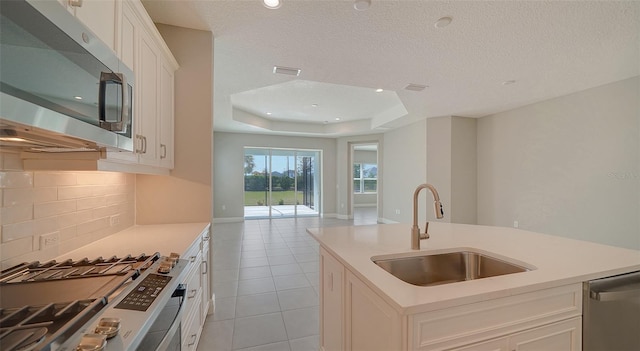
<point>445,268</point>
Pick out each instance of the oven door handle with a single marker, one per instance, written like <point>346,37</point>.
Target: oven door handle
<point>168,337</point>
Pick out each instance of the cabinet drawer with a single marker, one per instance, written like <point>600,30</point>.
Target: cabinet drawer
<point>191,327</point>
<point>457,326</point>
<point>194,288</point>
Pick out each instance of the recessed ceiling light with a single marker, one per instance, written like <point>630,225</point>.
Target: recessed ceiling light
<point>415,87</point>
<point>508,82</point>
<point>361,5</point>
<point>78,97</point>
<point>268,113</point>
<point>272,4</point>
<point>337,118</point>
<point>379,90</point>
<point>314,105</point>
<point>443,22</point>
<point>287,70</point>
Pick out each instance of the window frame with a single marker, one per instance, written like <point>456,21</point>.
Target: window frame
<point>362,179</point>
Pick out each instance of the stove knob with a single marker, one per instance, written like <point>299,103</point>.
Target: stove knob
<point>174,255</point>
<point>92,342</point>
<point>164,268</point>
<point>108,326</point>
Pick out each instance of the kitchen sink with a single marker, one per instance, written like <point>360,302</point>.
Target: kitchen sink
<point>446,268</point>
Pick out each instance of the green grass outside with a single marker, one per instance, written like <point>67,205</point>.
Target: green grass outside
<point>251,198</point>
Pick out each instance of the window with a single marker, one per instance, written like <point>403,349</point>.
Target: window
<point>365,178</point>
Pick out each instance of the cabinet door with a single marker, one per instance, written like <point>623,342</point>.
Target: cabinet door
<point>101,17</point>
<point>166,116</point>
<point>561,336</point>
<point>371,323</point>
<point>128,37</point>
<point>148,68</point>
<point>331,302</point>
<point>204,281</point>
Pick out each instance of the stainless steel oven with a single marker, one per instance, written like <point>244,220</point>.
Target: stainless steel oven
<point>114,304</point>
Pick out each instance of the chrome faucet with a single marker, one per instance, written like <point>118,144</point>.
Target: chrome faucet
<point>416,236</point>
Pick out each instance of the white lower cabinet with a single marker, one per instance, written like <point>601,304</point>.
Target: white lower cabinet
<point>331,303</point>
<point>195,301</point>
<point>561,336</point>
<point>355,317</point>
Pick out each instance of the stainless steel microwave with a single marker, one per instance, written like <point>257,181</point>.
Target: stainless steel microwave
<point>61,87</point>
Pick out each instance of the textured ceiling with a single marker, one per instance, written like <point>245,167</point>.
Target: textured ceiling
<point>549,48</point>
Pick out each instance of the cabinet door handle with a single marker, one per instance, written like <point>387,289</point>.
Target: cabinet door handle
<point>75,3</point>
<point>330,281</point>
<point>192,258</point>
<point>206,267</point>
<point>193,339</point>
<point>192,293</point>
<point>144,144</point>
<point>138,149</point>
<point>163,147</point>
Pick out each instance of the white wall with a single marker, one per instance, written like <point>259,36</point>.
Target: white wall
<point>405,167</point>
<point>73,208</point>
<point>228,186</point>
<point>463,170</point>
<point>185,195</point>
<point>569,166</point>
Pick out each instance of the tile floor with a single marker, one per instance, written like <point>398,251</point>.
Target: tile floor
<point>265,281</point>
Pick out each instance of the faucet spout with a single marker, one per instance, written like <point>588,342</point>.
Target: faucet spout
<point>415,230</point>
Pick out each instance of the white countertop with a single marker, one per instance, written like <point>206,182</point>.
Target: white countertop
<point>148,239</point>
<point>558,261</point>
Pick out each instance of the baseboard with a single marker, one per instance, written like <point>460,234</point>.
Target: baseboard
<point>228,220</point>
<point>340,216</point>
<point>328,215</point>
<point>386,221</point>
<point>365,205</point>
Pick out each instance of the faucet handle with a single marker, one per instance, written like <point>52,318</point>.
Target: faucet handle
<point>425,235</point>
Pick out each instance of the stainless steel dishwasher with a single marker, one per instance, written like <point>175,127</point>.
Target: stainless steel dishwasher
<point>611,313</point>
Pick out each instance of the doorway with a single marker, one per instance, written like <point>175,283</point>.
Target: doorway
<point>365,184</point>
<point>281,182</point>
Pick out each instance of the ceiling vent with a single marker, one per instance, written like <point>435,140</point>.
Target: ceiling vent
<point>415,87</point>
<point>286,70</point>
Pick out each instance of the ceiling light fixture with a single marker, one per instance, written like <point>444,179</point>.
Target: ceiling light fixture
<point>361,5</point>
<point>443,22</point>
<point>416,87</point>
<point>269,113</point>
<point>272,4</point>
<point>314,105</point>
<point>287,70</point>
<point>379,90</point>
<point>337,118</point>
<point>78,97</point>
<point>508,82</point>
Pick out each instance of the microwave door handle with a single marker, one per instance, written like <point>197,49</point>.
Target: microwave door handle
<point>117,78</point>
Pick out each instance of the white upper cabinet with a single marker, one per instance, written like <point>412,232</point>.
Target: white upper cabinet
<point>101,16</point>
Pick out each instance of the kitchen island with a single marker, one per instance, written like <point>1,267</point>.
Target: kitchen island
<point>365,307</point>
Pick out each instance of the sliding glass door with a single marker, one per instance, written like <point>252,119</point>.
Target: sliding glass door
<point>281,182</point>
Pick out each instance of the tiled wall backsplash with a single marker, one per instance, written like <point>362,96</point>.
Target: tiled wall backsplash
<point>46,214</point>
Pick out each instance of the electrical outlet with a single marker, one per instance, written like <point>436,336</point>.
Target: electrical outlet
<point>397,211</point>
<point>48,240</point>
<point>114,220</point>
<point>515,224</point>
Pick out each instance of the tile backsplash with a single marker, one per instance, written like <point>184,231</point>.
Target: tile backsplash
<point>46,214</point>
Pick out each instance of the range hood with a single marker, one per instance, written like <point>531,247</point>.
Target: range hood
<point>26,126</point>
